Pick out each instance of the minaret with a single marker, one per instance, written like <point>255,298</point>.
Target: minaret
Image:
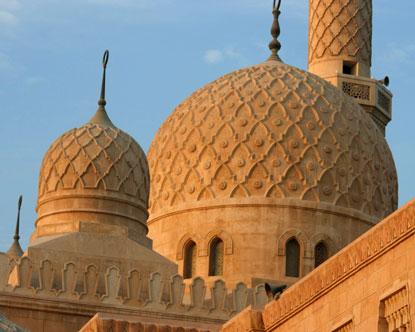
<point>15,250</point>
<point>340,51</point>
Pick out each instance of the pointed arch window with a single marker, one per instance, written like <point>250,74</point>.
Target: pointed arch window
<point>189,264</point>
<point>292,258</point>
<point>321,253</point>
<point>216,257</point>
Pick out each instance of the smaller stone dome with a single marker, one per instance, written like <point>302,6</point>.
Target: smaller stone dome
<point>96,173</point>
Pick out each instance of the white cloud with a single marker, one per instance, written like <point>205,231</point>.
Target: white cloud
<point>10,5</point>
<point>214,56</point>
<point>403,53</point>
<point>127,3</point>
<point>7,18</point>
<point>5,63</point>
<point>10,68</point>
<point>291,8</point>
<point>34,80</point>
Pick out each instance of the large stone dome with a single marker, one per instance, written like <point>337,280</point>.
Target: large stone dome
<point>95,173</point>
<point>266,133</point>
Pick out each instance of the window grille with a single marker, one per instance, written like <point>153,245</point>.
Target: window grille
<point>189,264</point>
<point>320,253</point>
<point>216,257</point>
<point>292,258</point>
<point>358,91</point>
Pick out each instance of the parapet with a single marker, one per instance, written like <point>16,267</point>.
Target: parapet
<point>131,292</point>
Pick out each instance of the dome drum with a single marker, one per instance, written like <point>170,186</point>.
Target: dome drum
<point>256,231</point>
<point>66,212</point>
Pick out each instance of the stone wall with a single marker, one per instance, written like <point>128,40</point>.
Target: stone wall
<point>38,296</point>
<point>367,286</point>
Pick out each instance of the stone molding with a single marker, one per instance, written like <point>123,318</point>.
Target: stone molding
<point>296,234</point>
<point>196,238</point>
<point>255,202</point>
<point>113,322</point>
<point>384,236</point>
<point>217,233</point>
<point>327,240</point>
<point>203,242</point>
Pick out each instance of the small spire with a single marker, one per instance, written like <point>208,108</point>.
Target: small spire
<point>101,116</point>
<point>15,249</point>
<point>275,45</point>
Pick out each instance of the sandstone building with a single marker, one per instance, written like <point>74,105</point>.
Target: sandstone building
<point>269,174</point>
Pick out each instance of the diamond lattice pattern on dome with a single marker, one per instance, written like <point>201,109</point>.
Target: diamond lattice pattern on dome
<point>272,131</point>
<point>95,157</point>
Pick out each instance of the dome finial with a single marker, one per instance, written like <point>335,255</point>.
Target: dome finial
<point>101,116</point>
<point>102,102</point>
<point>15,249</point>
<point>275,45</point>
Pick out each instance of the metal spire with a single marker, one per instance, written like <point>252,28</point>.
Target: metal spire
<point>275,45</point>
<point>15,249</point>
<point>101,117</point>
<point>102,102</point>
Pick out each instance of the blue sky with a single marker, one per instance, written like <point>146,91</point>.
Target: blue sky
<point>161,51</point>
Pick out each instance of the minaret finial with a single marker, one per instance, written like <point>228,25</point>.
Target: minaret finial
<point>101,117</point>
<point>15,250</point>
<point>275,45</point>
<point>19,206</point>
<point>102,102</point>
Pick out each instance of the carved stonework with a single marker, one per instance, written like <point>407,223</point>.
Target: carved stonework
<point>177,288</point>
<point>340,29</point>
<point>134,285</point>
<point>70,280</point>
<point>112,286</point>
<point>395,314</point>
<point>218,294</point>
<point>240,297</point>
<point>156,286</point>
<point>47,278</point>
<point>95,157</point>
<point>271,131</point>
<point>136,290</point>
<point>345,327</point>
<point>91,279</point>
<point>197,294</point>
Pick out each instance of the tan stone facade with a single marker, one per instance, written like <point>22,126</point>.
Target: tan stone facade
<point>367,286</point>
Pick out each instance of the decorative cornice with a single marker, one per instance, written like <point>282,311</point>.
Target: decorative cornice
<point>51,284</point>
<point>258,202</point>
